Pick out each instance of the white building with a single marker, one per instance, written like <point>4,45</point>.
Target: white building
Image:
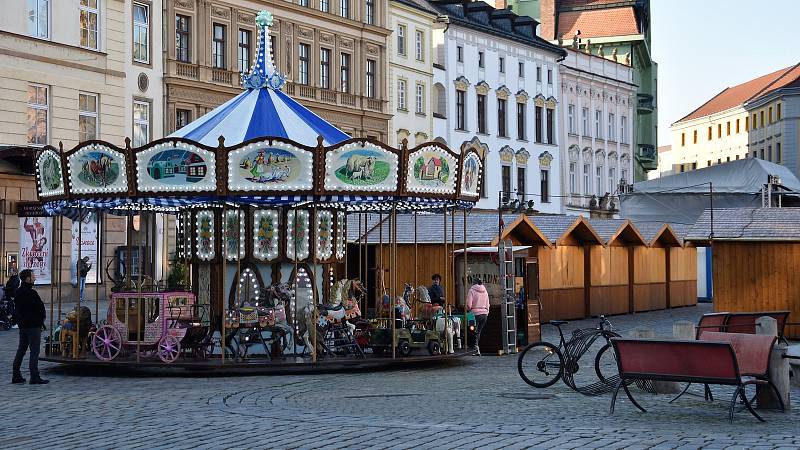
<point>496,89</point>
<point>597,100</point>
<point>144,71</point>
<point>410,71</point>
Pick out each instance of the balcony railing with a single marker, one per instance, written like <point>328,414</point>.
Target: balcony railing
<point>333,97</point>
<point>375,104</point>
<point>644,103</point>
<point>221,76</point>
<point>186,70</point>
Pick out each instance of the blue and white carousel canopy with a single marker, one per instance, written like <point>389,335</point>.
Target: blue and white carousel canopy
<point>263,110</point>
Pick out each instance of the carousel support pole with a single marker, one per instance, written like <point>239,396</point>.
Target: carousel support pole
<point>393,312</point>
<point>224,286</point>
<point>60,262</point>
<point>128,251</point>
<point>445,278</point>
<point>98,264</point>
<point>466,282</point>
<point>379,265</point>
<point>296,285</point>
<point>239,259</point>
<point>53,276</point>
<point>139,309</point>
<point>451,262</point>
<point>315,227</point>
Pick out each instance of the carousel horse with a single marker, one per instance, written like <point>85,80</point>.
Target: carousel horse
<point>344,306</point>
<point>280,295</point>
<point>426,309</point>
<point>449,327</point>
<point>68,333</point>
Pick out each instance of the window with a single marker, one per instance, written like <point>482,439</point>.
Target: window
<point>599,181</point>
<point>521,121</point>
<point>762,153</point>
<point>39,18</point>
<point>624,176</point>
<point>709,163</point>
<point>719,131</point>
<point>545,185</point>
<point>549,114</point>
<point>89,24</point>
<point>344,65</point>
<point>623,129</point>
<point>571,118</point>
<point>709,133</point>
<point>302,2</point>
<point>461,110</point>
<point>344,8</point>
<point>683,139</point>
<point>371,78</point>
<point>612,175</point>
<point>585,119</point>
<point>521,69</point>
<point>401,40</point>
<point>182,38</point>
<point>755,122</point>
<point>501,118</point>
<point>420,99</point>
<point>612,126</point>
<point>484,194</point>
<point>737,126</point>
<point>598,124</point>
<point>480,59</point>
<point>481,113</point>
<point>586,179</point>
<point>218,47</point>
<point>87,117</point>
<point>460,54</point>
<point>778,152</point>
<point>538,117</point>
<point>779,111</point>
<point>325,68</point>
<point>747,123</point>
<point>761,118</point>
<point>769,115</point>
<point>244,50</point>
<point>521,185</point>
<point>573,188</point>
<point>549,76</point>
<point>141,123</point>
<point>502,63</point>
<point>325,5</point>
<point>401,95</point>
<point>506,179</point>
<point>182,118</point>
<point>728,159</point>
<point>302,67</point>
<point>419,42</point>
<point>728,128</point>
<point>538,74</point>
<point>141,33</point>
<point>38,112</point>
<point>694,138</point>
<point>369,12</point>
<point>769,153</point>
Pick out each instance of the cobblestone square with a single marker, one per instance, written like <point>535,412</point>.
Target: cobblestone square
<point>476,403</point>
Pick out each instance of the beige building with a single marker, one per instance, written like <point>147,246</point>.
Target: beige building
<point>333,53</point>
<point>410,71</point>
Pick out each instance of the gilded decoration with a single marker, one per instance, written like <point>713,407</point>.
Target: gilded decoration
<point>482,88</point>
<point>522,156</point>
<point>503,92</point>
<point>551,103</point>
<point>522,96</point>
<point>506,154</point>
<point>539,101</point>
<point>545,158</point>
<point>462,84</point>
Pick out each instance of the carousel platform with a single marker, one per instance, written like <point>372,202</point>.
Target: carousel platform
<point>252,366</point>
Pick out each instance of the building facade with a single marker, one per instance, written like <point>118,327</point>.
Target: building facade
<point>497,90</point>
<point>333,53</point>
<point>614,29</point>
<point>410,71</point>
<point>597,106</point>
<point>755,119</point>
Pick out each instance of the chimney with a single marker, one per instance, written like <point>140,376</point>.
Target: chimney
<point>547,17</point>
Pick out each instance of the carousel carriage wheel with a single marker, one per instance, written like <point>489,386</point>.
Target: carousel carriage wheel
<point>106,343</point>
<point>404,348</point>
<point>434,348</point>
<point>168,348</point>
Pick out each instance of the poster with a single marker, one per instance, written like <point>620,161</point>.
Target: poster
<point>35,246</point>
<point>483,266</point>
<point>88,236</point>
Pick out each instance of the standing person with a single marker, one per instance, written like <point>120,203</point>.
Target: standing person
<point>84,266</point>
<point>478,303</point>
<point>436,292</point>
<point>30,318</point>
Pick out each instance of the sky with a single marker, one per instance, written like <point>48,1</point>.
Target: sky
<point>704,46</point>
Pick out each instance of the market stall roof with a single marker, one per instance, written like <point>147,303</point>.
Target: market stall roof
<point>562,230</point>
<point>747,224</point>
<point>488,250</point>
<point>263,110</point>
<point>622,230</point>
<point>522,230</point>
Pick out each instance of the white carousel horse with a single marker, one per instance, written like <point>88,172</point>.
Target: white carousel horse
<point>448,328</point>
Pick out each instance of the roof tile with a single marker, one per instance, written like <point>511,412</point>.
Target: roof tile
<point>598,23</point>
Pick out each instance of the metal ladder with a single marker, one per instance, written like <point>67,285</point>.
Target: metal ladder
<point>508,309</point>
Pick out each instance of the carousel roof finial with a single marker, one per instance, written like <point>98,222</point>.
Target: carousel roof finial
<point>263,73</point>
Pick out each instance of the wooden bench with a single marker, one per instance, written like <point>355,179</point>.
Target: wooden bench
<point>739,322</point>
<point>703,361</point>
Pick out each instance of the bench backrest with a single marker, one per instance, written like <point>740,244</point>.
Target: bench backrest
<point>676,360</point>
<point>745,322</point>
<point>752,350</point>
<point>711,322</point>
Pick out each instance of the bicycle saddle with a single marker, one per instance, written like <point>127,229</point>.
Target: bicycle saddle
<point>558,322</point>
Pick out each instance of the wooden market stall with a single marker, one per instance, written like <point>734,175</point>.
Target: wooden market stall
<point>611,268</point>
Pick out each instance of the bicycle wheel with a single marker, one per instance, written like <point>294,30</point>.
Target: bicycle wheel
<point>540,364</point>
<point>605,364</point>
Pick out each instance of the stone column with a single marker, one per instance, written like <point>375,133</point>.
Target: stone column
<point>778,368</point>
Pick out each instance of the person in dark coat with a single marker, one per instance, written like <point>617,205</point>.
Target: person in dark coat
<point>436,292</point>
<point>30,318</point>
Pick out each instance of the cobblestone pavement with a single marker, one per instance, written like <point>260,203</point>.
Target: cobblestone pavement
<point>478,403</point>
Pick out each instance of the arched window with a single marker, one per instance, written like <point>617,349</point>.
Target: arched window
<point>441,101</point>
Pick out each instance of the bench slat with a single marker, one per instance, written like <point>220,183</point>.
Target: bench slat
<point>677,360</point>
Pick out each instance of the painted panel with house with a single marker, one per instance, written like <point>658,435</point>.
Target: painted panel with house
<point>472,174</point>
<point>361,166</point>
<point>49,167</point>
<point>431,169</point>
<point>264,167</point>
<point>97,169</point>
<point>172,166</point>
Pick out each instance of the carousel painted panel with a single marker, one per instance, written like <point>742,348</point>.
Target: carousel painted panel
<point>176,166</point>
<point>49,173</point>
<point>361,167</point>
<point>471,176</point>
<point>264,167</point>
<point>432,170</point>
<point>298,229</point>
<point>234,235</point>
<point>266,234</point>
<point>341,234</point>
<point>324,235</point>
<point>97,169</point>
<point>204,228</point>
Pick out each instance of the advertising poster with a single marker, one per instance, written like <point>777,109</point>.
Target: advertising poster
<point>88,235</point>
<point>35,246</point>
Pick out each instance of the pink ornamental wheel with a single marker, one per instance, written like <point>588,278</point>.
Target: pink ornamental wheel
<point>169,348</point>
<point>106,343</point>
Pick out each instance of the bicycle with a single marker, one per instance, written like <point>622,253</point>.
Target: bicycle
<point>542,364</point>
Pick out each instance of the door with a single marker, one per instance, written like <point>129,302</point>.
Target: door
<point>533,327</point>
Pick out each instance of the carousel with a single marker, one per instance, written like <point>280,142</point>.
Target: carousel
<point>260,191</point>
